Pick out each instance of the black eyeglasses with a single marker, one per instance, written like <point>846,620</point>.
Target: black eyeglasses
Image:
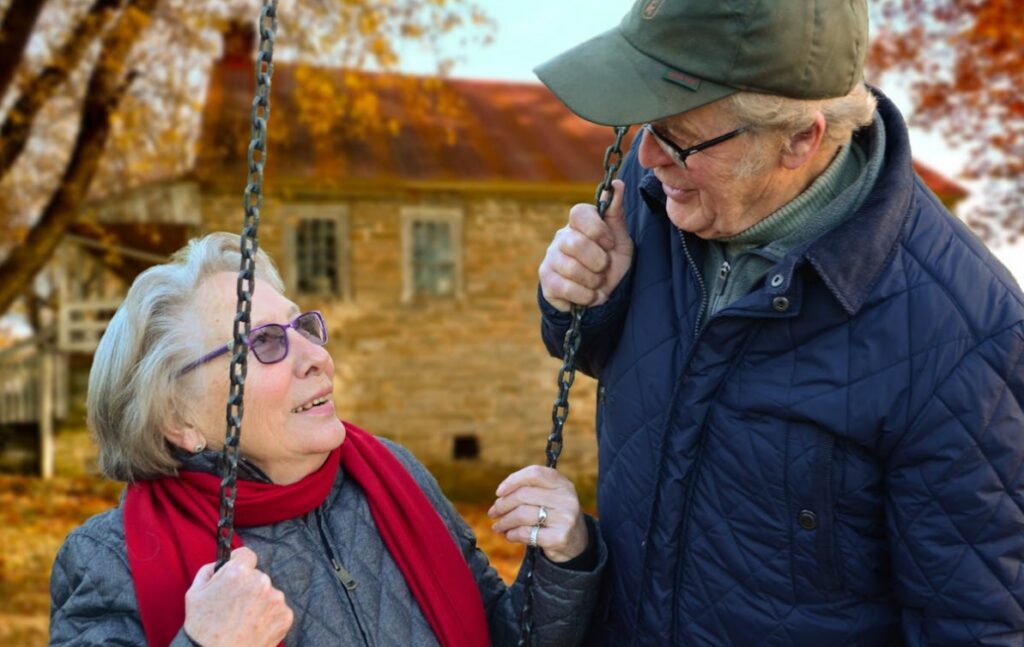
<point>269,342</point>
<point>678,153</point>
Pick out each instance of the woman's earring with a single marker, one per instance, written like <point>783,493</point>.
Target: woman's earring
<point>199,447</point>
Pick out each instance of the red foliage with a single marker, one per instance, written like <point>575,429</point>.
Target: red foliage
<point>965,59</point>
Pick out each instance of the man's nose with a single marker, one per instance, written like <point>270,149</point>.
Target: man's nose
<point>650,154</point>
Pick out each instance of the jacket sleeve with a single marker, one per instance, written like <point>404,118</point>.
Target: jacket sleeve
<point>563,599</point>
<point>600,328</point>
<point>92,598</point>
<point>955,507</point>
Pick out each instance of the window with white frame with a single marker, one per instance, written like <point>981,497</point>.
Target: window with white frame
<point>431,251</point>
<point>317,237</point>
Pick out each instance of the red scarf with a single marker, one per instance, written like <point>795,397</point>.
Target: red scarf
<point>170,528</point>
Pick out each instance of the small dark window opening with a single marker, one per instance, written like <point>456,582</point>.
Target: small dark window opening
<point>466,447</point>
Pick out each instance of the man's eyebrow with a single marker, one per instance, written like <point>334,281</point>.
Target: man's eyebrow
<point>682,133</point>
<point>677,131</point>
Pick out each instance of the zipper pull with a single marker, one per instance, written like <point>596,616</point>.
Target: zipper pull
<point>723,272</point>
<point>344,576</point>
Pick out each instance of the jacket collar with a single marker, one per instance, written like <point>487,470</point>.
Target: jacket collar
<point>851,257</point>
<point>873,232</point>
<point>209,461</point>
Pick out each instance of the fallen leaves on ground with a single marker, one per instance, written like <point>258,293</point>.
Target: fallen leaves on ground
<point>36,516</point>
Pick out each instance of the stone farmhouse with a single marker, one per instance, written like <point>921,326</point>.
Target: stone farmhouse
<point>420,249</point>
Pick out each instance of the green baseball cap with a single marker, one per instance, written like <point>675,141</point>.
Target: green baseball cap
<point>671,56</point>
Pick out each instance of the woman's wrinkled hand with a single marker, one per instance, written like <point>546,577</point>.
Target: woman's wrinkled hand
<point>563,535</point>
<point>237,605</point>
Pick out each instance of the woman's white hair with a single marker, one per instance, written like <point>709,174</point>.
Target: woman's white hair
<point>134,392</point>
<point>781,118</point>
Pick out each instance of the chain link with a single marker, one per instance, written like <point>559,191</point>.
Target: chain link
<point>252,202</point>
<point>567,375</point>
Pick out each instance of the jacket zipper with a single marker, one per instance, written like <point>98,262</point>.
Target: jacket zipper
<point>668,421</point>
<point>348,582</point>
<point>723,278</point>
<point>700,282</point>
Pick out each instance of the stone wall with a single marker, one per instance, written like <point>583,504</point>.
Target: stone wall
<point>430,369</point>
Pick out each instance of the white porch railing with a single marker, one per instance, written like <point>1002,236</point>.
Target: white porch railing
<point>34,391</point>
<point>81,323</point>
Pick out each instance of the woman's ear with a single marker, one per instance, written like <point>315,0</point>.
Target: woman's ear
<point>805,144</point>
<point>186,437</point>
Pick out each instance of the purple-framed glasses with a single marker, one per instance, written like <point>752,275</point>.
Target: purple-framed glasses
<point>269,342</point>
<point>678,153</point>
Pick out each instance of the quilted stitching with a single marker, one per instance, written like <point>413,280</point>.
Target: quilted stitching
<point>93,600</point>
<point>917,387</point>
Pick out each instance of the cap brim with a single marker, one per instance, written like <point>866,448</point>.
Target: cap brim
<point>608,81</point>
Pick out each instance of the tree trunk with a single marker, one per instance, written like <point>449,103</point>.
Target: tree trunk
<point>106,86</point>
<point>19,21</point>
<point>18,124</point>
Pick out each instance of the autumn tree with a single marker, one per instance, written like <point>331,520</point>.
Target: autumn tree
<point>965,63</point>
<point>99,95</point>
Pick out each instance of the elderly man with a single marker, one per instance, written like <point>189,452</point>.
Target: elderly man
<point>809,411</point>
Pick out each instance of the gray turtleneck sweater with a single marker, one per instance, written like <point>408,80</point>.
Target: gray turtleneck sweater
<point>734,266</point>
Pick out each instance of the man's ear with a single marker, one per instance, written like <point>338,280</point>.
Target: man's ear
<point>804,145</point>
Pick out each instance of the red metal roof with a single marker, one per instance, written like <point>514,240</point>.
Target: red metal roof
<point>506,132</point>
<point>941,185</point>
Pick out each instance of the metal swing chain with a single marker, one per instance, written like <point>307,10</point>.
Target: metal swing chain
<point>252,202</point>
<point>566,376</point>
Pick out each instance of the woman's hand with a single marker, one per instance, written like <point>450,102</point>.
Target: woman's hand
<point>563,535</point>
<point>236,605</point>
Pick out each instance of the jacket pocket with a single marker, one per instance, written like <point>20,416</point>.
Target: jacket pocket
<point>825,544</point>
<point>816,567</point>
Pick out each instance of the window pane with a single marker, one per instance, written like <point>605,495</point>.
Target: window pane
<point>316,256</point>
<point>433,263</point>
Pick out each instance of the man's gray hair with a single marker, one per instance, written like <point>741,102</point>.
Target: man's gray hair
<point>134,392</point>
<point>781,118</point>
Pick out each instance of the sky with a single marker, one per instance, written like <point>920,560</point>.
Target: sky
<point>529,32</point>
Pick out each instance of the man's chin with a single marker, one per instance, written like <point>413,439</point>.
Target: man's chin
<point>688,219</point>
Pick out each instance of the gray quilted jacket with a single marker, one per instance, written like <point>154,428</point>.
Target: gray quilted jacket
<point>93,598</point>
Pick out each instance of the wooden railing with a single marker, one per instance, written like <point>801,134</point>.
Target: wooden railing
<point>34,391</point>
<point>82,323</point>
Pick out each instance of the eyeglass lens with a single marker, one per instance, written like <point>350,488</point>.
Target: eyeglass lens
<point>269,343</point>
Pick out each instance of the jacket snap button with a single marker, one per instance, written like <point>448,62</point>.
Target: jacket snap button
<point>807,520</point>
<point>777,280</point>
<point>781,304</point>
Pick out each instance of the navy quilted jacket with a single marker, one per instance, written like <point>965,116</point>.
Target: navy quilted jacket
<point>835,458</point>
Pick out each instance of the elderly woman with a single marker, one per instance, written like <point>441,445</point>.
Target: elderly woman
<point>345,539</point>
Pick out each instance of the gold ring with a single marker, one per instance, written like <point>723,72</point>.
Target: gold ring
<point>533,536</point>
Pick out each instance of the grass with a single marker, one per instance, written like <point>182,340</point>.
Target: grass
<point>36,515</point>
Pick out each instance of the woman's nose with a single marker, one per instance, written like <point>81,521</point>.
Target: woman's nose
<point>310,357</point>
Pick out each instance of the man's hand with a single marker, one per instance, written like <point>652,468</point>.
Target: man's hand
<point>588,257</point>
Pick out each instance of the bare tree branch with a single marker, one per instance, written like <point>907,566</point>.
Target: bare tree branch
<point>18,125</point>
<point>106,86</point>
<point>15,30</point>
